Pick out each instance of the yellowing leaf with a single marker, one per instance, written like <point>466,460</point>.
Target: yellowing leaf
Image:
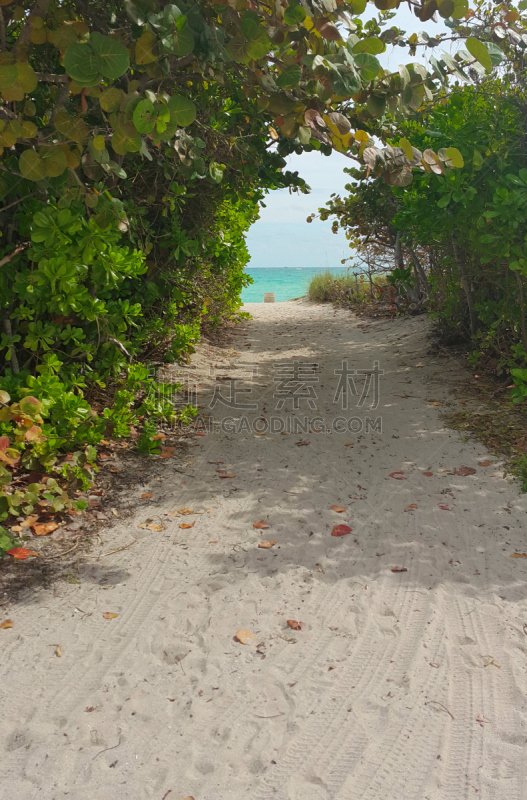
<point>406,147</point>
<point>109,615</point>
<point>186,525</point>
<point>143,49</point>
<point>7,623</point>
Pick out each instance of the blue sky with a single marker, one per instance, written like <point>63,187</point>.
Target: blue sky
<point>282,237</point>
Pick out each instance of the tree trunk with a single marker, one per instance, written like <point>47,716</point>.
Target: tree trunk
<point>467,287</point>
<point>420,274</point>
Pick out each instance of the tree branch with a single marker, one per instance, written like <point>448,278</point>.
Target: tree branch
<point>40,9</point>
<point>3,44</point>
<point>16,251</point>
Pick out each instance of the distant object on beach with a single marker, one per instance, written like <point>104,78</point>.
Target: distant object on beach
<point>269,297</point>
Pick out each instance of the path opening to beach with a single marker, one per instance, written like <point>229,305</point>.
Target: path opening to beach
<point>394,549</point>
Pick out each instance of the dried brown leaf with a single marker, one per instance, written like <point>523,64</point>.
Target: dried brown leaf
<point>245,637</point>
<point>266,545</point>
<point>338,509</point>
<point>7,623</point>
<point>262,525</point>
<point>186,525</point>
<point>42,529</point>
<point>296,626</point>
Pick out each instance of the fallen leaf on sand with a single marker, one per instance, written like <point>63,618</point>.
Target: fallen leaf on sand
<point>166,454</point>
<point>7,623</point>
<point>245,637</point>
<point>109,615</point>
<point>483,463</point>
<point>42,529</point>
<point>16,528</point>
<point>437,403</point>
<point>518,555</point>
<point>146,495</point>
<point>411,507</point>
<point>428,474</point>
<point>348,444</point>
<point>446,469</point>
<point>266,545</point>
<point>338,509</point>
<point>152,526</point>
<point>464,471</point>
<point>20,553</point>
<point>481,719</point>
<point>296,626</point>
<point>183,511</point>
<point>341,530</point>
<point>29,521</point>
<point>302,443</point>
<point>398,476</point>
<point>201,434</point>
<point>58,650</point>
<point>262,525</point>
<point>228,475</point>
<point>399,569</point>
<point>186,525</point>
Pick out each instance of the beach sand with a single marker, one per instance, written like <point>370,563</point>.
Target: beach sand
<point>402,685</point>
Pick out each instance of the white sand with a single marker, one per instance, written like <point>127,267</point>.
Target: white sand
<point>378,698</point>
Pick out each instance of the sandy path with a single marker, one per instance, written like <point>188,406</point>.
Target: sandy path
<point>389,693</point>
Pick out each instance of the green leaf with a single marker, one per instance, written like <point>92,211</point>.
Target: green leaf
<point>82,64</point>
<point>145,116</point>
<point>111,98</point>
<point>368,66</point>
<point>495,52</point>
<point>32,166</point>
<point>446,8</point>
<point>372,45</point>
<point>358,6</point>
<point>294,15</point>
<point>289,77</point>
<point>455,157</point>
<point>237,49</point>
<point>376,105</point>
<point>216,171</point>
<point>260,45</point>
<point>180,42</point>
<point>460,9</point>
<point>54,159</point>
<point>250,24</point>
<point>444,201</point>
<point>182,110</point>
<point>479,51</point>
<point>113,57</point>
<point>8,76</point>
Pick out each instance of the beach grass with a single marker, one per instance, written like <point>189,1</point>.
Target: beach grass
<point>326,287</point>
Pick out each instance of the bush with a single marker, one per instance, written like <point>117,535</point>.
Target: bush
<point>328,287</point>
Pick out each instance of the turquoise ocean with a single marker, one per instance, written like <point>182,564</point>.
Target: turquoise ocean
<point>286,282</point>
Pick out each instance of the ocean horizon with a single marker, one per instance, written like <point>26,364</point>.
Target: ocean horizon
<point>287,283</point>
